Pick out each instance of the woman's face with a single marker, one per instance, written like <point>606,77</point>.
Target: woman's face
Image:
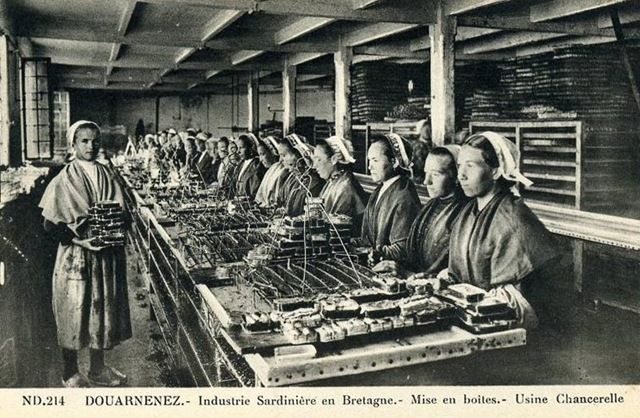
<point>322,162</point>
<point>380,166</point>
<point>87,144</point>
<point>233,148</point>
<point>264,156</point>
<point>244,149</point>
<point>222,149</point>
<point>475,176</point>
<point>438,176</point>
<point>289,158</point>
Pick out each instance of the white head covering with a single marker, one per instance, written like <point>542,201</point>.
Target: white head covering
<point>271,144</point>
<point>454,150</point>
<point>172,131</point>
<point>343,148</point>
<point>508,159</point>
<point>71,132</point>
<point>202,136</point>
<point>254,140</point>
<point>303,148</point>
<point>398,146</point>
<point>420,125</point>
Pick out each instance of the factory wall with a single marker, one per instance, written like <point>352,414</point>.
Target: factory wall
<point>216,113</point>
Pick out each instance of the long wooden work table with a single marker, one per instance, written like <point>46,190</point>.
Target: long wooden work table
<point>195,323</point>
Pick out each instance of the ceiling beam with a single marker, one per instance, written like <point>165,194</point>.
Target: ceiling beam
<point>562,8</point>
<point>142,63</point>
<point>213,27</point>
<point>555,44</point>
<point>373,32</point>
<point>123,25</point>
<point>175,88</point>
<point>363,4</point>
<point>301,58</point>
<point>297,29</point>
<point>124,78</point>
<point>396,50</point>
<point>244,56</point>
<point>584,27</point>
<point>464,33</point>
<point>456,7</point>
<point>506,41</point>
<point>74,31</point>
<point>626,16</point>
<point>300,28</point>
<point>337,9</point>
<point>266,44</point>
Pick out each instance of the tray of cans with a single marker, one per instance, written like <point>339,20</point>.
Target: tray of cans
<point>106,224</point>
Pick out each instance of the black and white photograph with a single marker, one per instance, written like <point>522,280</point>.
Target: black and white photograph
<point>325,193</point>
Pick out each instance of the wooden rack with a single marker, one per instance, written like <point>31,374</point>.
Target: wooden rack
<point>572,164</point>
<point>362,137</point>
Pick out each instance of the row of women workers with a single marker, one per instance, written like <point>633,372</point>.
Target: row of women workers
<point>474,228</point>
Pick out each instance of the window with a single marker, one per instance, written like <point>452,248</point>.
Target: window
<point>60,122</point>
<point>36,109</point>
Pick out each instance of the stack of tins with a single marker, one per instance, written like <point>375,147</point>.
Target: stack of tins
<point>585,82</point>
<point>106,224</point>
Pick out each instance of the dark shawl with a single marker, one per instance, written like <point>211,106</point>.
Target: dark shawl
<point>248,182</point>
<point>503,243</point>
<point>344,195</point>
<point>386,224</point>
<point>203,167</point>
<point>212,173</point>
<point>296,195</point>
<point>428,240</point>
<point>272,183</point>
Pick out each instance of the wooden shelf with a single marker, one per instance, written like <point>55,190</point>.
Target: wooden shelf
<point>552,191</point>
<point>549,135</point>
<point>546,176</point>
<point>541,162</point>
<point>554,149</point>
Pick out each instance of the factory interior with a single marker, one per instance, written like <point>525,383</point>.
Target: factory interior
<point>226,285</point>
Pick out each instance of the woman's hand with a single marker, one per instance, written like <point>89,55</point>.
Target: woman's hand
<point>87,244</point>
<point>389,266</point>
<point>444,274</point>
<point>435,283</point>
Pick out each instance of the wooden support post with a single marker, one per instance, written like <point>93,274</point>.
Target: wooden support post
<point>5,112</point>
<point>617,28</point>
<point>342,60</point>
<point>253,98</point>
<point>442,35</point>
<point>289,97</point>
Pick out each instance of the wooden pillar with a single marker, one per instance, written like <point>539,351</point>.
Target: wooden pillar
<point>443,115</point>
<point>342,61</point>
<point>253,98</point>
<point>289,97</point>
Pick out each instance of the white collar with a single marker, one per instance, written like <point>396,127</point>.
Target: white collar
<point>385,186</point>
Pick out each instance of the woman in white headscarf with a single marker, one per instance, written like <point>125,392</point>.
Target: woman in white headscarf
<point>276,174</point>
<point>90,302</point>
<point>394,204</point>
<point>342,194</point>
<point>302,181</point>
<point>497,243</point>
<point>250,169</point>
<point>427,246</point>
